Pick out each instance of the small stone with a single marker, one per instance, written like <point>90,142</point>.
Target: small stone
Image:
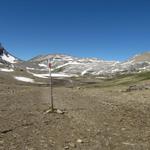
<point>72,145</point>
<point>123,129</point>
<point>78,88</point>
<point>48,111</point>
<point>59,111</point>
<point>107,143</point>
<point>29,148</point>
<point>88,130</point>
<point>52,142</point>
<point>79,141</point>
<point>1,142</point>
<point>66,147</point>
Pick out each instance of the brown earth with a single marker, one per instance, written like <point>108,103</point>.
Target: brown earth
<point>94,119</point>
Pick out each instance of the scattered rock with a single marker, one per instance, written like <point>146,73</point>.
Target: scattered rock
<point>72,145</point>
<point>127,143</point>
<point>52,142</point>
<point>30,148</point>
<point>21,70</point>
<point>78,88</point>
<point>6,131</point>
<point>107,143</point>
<point>48,111</point>
<point>66,147</point>
<point>137,87</point>
<point>59,111</point>
<point>123,129</point>
<point>2,142</point>
<point>79,141</point>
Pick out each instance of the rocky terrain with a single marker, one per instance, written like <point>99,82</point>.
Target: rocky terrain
<point>109,110</point>
<point>110,114</point>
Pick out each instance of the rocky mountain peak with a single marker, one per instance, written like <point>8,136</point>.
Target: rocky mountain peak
<point>6,57</point>
<point>141,57</point>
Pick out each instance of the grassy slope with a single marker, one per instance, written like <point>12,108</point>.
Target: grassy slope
<point>119,80</point>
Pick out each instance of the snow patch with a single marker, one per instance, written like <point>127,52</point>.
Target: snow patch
<point>60,75</point>
<point>128,62</point>
<point>115,70</point>
<point>115,63</point>
<point>24,79</point>
<point>43,65</point>
<point>8,58</point>
<point>28,68</point>
<point>6,70</point>
<point>85,71</point>
<point>46,75</point>
<point>69,63</point>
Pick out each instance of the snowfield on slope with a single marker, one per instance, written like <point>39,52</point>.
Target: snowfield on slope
<point>43,65</point>
<point>53,75</point>
<point>24,79</point>
<point>6,70</point>
<point>8,58</point>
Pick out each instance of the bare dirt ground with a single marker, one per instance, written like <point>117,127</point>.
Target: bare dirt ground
<point>95,118</point>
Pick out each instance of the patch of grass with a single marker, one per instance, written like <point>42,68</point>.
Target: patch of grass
<point>144,76</point>
<point>119,80</point>
<point>58,69</point>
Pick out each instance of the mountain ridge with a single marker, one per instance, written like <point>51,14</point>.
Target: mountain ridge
<point>78,66</point>
<point>6,57</point>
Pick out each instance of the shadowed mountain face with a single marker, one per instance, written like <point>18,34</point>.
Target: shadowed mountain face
<point>1,49</point>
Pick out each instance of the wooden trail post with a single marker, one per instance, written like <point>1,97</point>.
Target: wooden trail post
<point>51,85</point>
<point>52,109</point>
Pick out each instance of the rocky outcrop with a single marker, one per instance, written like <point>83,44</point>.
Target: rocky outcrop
<point>6,57</point>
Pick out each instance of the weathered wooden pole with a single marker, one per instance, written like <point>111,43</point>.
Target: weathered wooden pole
<point>51,85</point>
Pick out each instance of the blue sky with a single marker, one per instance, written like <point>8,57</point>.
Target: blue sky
<point>107,29</point>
